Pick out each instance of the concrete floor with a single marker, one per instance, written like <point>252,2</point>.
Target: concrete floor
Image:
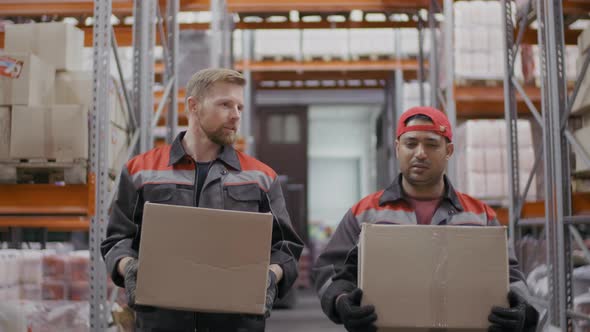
<point>306,316</point>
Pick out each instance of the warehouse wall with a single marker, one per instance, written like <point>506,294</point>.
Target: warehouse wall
<point>341,159</point>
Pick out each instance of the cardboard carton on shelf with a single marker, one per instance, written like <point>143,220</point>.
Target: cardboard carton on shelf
<point>31,83</point>
<point>4,132</point>
<point>57,43</point>
<point>57,132</point>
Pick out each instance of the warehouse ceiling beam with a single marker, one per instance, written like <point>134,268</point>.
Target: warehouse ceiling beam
<point>62,8</point>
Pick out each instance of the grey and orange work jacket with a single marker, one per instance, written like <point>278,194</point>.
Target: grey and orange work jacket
<point>335,271</point>
<point>235,181</point>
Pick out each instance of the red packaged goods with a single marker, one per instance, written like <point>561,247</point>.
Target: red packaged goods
<point>31,292</point>
<point>80,291</point>
<point>54,290</point>
<point>79,264</point>
<point>54,266</point>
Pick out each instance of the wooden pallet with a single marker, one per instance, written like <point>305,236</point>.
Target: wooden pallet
<point>372,57</point>
<point>460,81</point>
<point>276,58</point>
<point>43,171</point>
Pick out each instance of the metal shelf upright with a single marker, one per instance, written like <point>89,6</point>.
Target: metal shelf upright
<point>147,15</point>
<point>99,121</point>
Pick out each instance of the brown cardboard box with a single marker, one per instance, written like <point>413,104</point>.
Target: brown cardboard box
<point>4,132</point>
<point>34,85</point>
<point>57,43</point>
<point>425,277</point>
<point>57,132</point>
<point>75,87</point>
<point>203,259</point>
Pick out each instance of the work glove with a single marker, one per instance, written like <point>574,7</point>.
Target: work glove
<point>354,317</point>
<point>520,317</point>
<point>130,280</point>
<point>271,293</point>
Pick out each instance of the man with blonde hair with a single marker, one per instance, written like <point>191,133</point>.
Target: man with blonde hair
<point>201,168</point>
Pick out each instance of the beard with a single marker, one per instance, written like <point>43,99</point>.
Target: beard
<point>220,137</point>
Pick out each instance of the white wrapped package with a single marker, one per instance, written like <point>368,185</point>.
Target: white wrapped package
<point>31,271</point>
<point>12,317</point>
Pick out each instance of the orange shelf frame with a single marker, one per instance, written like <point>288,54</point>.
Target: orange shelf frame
<point>55,207</point>
<point>51,223</point>
<point>46,199</point>
<point>580,203</point>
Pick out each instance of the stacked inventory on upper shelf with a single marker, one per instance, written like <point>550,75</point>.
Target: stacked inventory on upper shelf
<point>45,96</point>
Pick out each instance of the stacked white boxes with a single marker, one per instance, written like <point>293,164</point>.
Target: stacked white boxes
<point>581,105</point>
<point>277,43</point>
<point>411,92</point>
<point>370,42</point>
<point>44,101</point>
<point>481,153</point>
<point>325,43</point>
<point>479,43</point>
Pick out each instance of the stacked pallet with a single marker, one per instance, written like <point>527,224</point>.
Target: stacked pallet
<point>481,153</point>
<point>479,43</point>
<point>44,101</point>
<point>581,107</point>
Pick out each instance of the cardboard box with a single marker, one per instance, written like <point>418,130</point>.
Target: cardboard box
<point>57,132</point>
<point>4,133</point>
<point>583,137</point>
<point>424,277</point>
<point>34,84</point>
<point>218,268</point>
<point>75,87</point>
<point>57,43</point>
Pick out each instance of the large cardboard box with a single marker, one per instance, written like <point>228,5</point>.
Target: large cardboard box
<point>428,277</point>
<point>33,86</point>
<point>57,43</point>
<point>56,132</point>
<point>4,133</point>
<point>201,259</point>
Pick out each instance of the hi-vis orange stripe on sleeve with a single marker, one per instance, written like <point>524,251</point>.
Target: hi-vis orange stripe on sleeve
<point>250,164</point>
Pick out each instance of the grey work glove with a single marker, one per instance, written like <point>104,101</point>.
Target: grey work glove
<point>356,318</point>
<point>520,317</point>
<point>130,279</point>
<point>271,293</point>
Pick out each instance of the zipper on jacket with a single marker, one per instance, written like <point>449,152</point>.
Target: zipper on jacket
<point>195,184</point>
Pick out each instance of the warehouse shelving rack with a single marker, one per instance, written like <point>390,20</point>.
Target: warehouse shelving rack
<point>560,204</point>
<point>85,207</point>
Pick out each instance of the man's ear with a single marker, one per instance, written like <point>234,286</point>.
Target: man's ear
<point>450,150</point>
<point>192,105</point>
<point>397,147</point>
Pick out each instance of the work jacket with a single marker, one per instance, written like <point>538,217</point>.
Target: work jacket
<point>335,271</point>
<point>235,181</point>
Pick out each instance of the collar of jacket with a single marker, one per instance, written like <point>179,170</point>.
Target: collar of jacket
<point>227,154</point>
<point>395,193</point>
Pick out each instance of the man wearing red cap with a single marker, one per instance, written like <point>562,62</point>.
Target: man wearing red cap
<point>422,195</point>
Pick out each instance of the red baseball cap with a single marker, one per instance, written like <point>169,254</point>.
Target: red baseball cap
<point>441,124</point>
